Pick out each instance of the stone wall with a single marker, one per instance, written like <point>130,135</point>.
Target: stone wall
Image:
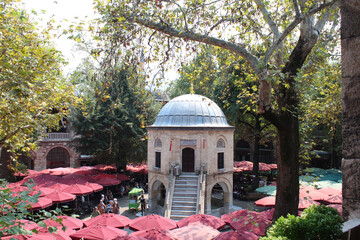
<point>46,146</point>
<point>350,45</point>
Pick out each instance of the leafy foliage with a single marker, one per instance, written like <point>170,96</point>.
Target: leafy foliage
<point>31,81</point>
<point>316,222</point>
<point>16,206</point>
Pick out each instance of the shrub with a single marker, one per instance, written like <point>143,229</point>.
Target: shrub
<point>315,223</point>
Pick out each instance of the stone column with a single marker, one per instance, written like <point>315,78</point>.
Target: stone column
<point>350,45</point>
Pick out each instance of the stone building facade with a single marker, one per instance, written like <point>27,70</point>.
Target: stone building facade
<point>191,132</point>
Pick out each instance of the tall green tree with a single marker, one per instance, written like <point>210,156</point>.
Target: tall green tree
<point>31,84</point>
<point>275,38</point>
<point>111,121</point>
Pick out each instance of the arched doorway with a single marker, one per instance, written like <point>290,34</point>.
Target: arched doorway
<point>158,194</point>
<point>217,197</point>
<point>57,157</point>
<point>188,160</point>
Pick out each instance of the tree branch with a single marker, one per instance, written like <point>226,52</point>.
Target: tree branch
<point>291,27</point>
<point>268,19</point>
<point>187,35</point>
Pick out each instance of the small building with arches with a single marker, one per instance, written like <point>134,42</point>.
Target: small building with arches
<point>190,158</point>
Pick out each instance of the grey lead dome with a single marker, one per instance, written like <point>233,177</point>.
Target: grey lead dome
<point>191,110</point>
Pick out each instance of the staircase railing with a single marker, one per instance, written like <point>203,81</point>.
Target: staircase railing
<point>200,202</point>
<point>170,192</point>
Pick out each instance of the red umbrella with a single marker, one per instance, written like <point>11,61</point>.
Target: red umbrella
<point>109,219</point>
<point>56,186</point>
<point>233,216</point>
<point>68,222</point>
<point>122,177</point>
<point>94,186</point>
<point>77,176</point>
<point>10,237</point>
<point>335,199</point>
<point>61,171</point>
<point>26,225</point>
<point>195,231</point>
<point>70,181</point>
<point>303,203</point>
<point>98,233</point>
<point>130,238</point>
<point>43,202</point>
<point>266,202</point>
<point>256,224</point>
<point>151,234</point>
<point>312,195</point>
<point>330,191</point>
<point>61,197</point>
<point>243,166</point>
<point>268,214</point>
<point>78,189</point>
<point>108,181</point>
<point>264,167</point>
<point>208,220</point>
<point>45,235</point>
<point>272,165</point>
<point>103,168</point>
<point>235,235</point>
<point>152,221</point>
<point>42,190</point>
<point>104,175</point>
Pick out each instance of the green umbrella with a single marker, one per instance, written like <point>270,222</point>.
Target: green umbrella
<point>268,190</point>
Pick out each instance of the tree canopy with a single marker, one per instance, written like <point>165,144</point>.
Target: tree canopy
<point>275,38</point>
<point>111,121</point>
<point>31,82</point>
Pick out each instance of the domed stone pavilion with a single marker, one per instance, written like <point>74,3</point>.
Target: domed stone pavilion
<point>190,158</point>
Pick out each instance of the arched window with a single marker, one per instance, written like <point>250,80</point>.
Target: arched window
<point>57,157</point>
<point>220,143</point>
<point>158,143</point>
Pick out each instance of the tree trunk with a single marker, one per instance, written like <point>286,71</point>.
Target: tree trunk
<point>287,194</point>
<point>256,154</point>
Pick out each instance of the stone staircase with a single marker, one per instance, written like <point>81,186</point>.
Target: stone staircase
<point>184,196</point>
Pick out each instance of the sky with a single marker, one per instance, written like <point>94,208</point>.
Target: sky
<point>61,10</point>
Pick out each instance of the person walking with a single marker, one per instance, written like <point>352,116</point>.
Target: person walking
<point>142,204</point>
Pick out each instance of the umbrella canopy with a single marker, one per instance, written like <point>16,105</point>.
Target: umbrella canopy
<point>122,177</point>
<point>335,199</point>
<point>235,235</point>
<point>10,237</point>
<point>255,224</point>
<point>26,225</point>
<point>61,197</point>
<point>273,166</point>
<point>98,233</point>
<point>68,222</point>
<point>56,186</point>
<point>94,186</point>
<point>305,203</point>
<point>151,234</point>
<point>312,195</point>
<point>43,202</point>
<point>234,216</point>
<point>268,214</point>
<point>77,176</point>
<point>107,181</point>
<point>43,191</point>
<point>264,167</point>
<point>44,235</point>
<point>194,231</point>
<point>266,202</point>
<point>207,220</point>
<point>268,190</point>
<point>130,238</point>
<point>152,221</point>
<point>109,219</point>
<point>78,189</point>
<point>330,191</point>
<point>104,175</point>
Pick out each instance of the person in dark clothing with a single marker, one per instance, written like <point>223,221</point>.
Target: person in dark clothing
<point>142,204</point>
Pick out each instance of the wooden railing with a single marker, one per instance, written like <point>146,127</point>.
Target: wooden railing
<point>170,192</point>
